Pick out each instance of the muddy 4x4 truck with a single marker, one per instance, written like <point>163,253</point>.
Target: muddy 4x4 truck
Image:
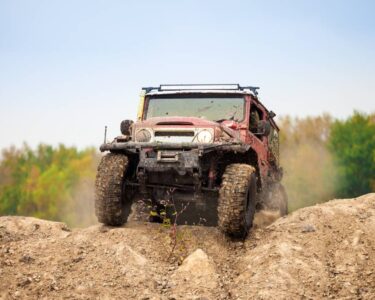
<point>206,153</point>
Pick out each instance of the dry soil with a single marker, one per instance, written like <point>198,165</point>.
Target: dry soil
<point>319,252</point>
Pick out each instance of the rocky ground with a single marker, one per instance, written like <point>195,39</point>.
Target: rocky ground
<point>319,252</point>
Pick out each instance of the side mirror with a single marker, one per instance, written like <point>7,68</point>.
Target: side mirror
<point>264,128</point>
<point>272,114</point>
<point>125,127</point>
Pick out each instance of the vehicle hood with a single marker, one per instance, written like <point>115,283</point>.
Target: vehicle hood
<point>177,121</point>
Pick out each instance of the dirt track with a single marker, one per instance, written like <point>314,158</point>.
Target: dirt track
<point>324,251</point>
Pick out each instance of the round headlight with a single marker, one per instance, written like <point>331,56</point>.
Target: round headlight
<point>143,136</point>
<point>204,137</point>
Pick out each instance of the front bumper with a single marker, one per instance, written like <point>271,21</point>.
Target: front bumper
<point>202,148</point>
<point>179,165</point>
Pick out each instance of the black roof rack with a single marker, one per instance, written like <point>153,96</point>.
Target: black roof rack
<point>212,87</point>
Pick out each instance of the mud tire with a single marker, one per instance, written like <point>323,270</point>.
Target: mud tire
<point>237,199</point>
<point>276,199</point>
<point>111,206</point>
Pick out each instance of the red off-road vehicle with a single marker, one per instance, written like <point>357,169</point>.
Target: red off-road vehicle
<point>209,150</point>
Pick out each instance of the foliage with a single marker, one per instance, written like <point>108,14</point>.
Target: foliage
<point>45,182</point>
<point>352,143</point>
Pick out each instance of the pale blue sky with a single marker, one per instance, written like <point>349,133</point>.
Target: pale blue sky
<point>67,68</point>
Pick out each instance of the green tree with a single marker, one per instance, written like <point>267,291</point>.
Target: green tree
<point>352,143</point>
<point>48,183</point>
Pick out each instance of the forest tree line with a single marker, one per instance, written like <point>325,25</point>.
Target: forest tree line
<point>54,183</point>
<point>322,158</point>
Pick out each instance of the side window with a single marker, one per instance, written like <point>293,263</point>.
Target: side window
<point>256,115</point>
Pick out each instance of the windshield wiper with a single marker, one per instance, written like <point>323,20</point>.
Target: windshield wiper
<point>231,118</point>
<point>220,120</point>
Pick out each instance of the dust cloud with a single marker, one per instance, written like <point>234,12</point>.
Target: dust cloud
<point>79,209</point>
<point>263,218</point>
<point>310,175</point>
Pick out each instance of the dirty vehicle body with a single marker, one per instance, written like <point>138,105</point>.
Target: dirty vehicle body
<point>208,151</point>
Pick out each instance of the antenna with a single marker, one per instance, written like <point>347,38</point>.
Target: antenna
<point>105,134</point>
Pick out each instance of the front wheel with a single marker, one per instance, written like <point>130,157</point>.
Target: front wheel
<point>237,198</point>
<point>112,207</point>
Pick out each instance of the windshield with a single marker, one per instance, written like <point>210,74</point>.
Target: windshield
<point>208,108</point>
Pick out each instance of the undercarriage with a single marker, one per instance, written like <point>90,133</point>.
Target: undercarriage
<point>172,181</point>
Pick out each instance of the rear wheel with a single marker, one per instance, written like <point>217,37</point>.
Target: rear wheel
<point>112,207</point>
<point>237,197</point>
<point>276,199</point>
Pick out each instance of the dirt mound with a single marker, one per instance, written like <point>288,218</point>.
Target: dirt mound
<point>324,251</point>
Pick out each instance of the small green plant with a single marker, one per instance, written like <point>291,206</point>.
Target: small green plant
<point>177,237</point>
